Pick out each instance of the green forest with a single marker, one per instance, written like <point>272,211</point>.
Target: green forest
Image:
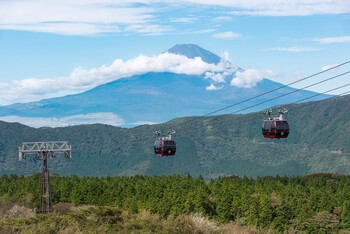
<point>318,203</point>
<point>224,176</point>
<point>214,146</point>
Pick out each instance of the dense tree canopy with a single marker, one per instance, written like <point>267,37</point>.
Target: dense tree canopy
<point>316,202</point>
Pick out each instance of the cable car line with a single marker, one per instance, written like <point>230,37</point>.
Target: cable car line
<point>278,88</point>
<point>280,126</point>
<point>318,94</point>
<point>294,91</point>
<point>283,95</point>
<point>311,103</point>
<point>284,128</point>
<point>166,146</point>
<point>277,127</point>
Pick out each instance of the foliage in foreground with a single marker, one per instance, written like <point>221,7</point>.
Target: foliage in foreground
<point>316,203</point>
<point>92,219</point>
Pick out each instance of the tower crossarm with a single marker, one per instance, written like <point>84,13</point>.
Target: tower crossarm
<point>51,147</point>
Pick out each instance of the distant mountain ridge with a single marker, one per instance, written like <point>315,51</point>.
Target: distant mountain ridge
<point>148,98</point>
<point>209,146</point>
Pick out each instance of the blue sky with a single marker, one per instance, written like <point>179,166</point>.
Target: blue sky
<point>48,48</point>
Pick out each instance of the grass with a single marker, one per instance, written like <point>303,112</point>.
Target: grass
<point>69,219</point>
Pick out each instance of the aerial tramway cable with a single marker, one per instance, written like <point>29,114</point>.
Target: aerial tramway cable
<point>278,88</point>
<point>283,86</point>
<point>318,94</point>
<point>271,99</point>
<point>294,91</point>
<point>279,128</point>
<point>311,103</point>
<point>284,129</point>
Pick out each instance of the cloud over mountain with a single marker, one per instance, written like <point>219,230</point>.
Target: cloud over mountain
<point>246,79</point>
<point>81,79</point>
<point>146,89</point>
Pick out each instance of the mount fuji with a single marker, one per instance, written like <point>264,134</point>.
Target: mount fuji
<point>153,97</point>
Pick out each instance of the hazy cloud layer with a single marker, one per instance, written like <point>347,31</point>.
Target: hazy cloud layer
<point>143,123</point>
<point>272,74</point>
<point>294,49</point>
<point>185,20</point>
<point>147,16</point>
<point>329,40</point>
<point>103,118</point>
<point>226,35</point>
<point>72,17</point>
<point>283,7</point>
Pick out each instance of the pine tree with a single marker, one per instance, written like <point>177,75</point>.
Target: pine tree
<point>345,215</point>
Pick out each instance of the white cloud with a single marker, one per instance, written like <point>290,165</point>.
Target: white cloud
<point>91,11</point>
<point>328,40</point>
<point>33,89</point>
<point>73,17</point>
<point>222,19</point>
<point>281,7</point>
<point>226,35</point>
<point>246,79</point>
<point>148,29</point>
<point>144,122</point>
<point>65,28</point>
<point>212,87</point>
<point>36,122</point>
<point>272,74</point>
<point>88,17</point>
<point>225,55</point>
<point>220,76</point>
<point>183,20</point>
<point>217,77</point>
<point>326,67</point>
<point>203,31</point>
<point>294,49</point>
<point>3,85</point>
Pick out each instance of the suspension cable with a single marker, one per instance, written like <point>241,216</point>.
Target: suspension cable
<point>294,91</point>
<point>278,88</point>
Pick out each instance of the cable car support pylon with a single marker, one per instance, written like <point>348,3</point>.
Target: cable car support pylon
<point>44,151</point>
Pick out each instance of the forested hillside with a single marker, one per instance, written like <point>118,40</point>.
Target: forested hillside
<point>311,204</point>
<point>208,146</point>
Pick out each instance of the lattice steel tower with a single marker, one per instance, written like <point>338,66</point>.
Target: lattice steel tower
<point>44,151</point>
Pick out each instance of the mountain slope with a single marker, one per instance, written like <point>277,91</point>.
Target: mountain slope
<point>154,97</point>
<point>192,51</point>
<point>207,146</point>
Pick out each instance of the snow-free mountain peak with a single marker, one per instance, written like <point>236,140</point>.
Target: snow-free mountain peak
<point>192,51</point>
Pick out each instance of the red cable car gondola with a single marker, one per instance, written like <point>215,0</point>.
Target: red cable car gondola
<point>164,146</point>
<point>275,127</point>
